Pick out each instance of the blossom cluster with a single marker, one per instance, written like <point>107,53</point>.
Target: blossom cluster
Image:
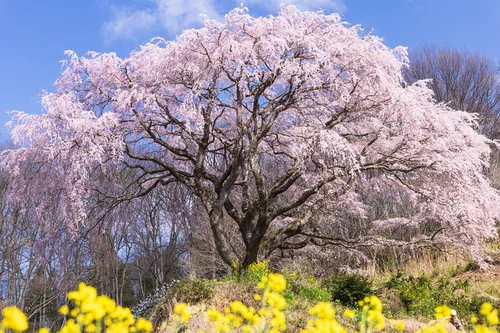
<point>93,314</point>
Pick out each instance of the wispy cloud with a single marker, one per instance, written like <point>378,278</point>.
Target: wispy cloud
<point>180,14</point>
<point>175,15</point>
<point>310,5</point>
<point>126,22</point>
<point>171,15</point>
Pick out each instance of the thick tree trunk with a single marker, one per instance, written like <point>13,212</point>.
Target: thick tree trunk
<point>221,244</point>
<point>251,255</point>
<point>253,246</point>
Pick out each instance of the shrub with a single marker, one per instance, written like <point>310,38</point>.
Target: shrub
<point>304,285</point>
<point>192,291</point>
<point>315,294</point>
<point>420,295</point>
<point>348,289</point>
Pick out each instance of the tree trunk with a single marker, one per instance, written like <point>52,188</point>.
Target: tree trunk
<point>251,255</point>
<point>221,244</point>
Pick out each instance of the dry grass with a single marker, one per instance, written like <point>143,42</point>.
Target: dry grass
<point>226,292</point>
<point>484,283</point>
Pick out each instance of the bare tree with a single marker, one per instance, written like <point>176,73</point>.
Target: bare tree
<point>160,235</point>
<point>464,80</point>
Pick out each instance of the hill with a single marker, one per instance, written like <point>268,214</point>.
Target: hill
<point>408,298</point>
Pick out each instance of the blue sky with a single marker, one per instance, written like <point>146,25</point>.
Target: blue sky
<point>34,34</point>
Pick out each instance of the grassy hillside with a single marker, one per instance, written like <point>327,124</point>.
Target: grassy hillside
<point>409,296</point>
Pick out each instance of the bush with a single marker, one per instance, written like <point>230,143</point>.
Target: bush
<point>192,292</point>
<point>304,285</point>
<point>348,289</point>
<point>420,295</point>
<point>314,294</point>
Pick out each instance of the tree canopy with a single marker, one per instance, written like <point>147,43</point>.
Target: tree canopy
<point>281,127</point>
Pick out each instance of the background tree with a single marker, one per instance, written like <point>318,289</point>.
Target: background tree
<point>278,125</point>
<point>41,259</point>
<point>160,235</point>
<point>464,80</point>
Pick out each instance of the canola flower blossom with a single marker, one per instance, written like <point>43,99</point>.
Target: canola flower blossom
<point>324,320</point>
<point>88,313</point>
<point>489,319</point>
<point>96,313</point>
<point>182,313</point>
<point>13,319</point>
<point>372,318</point>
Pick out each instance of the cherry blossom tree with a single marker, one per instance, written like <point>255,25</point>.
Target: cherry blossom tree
<point>279,126</point>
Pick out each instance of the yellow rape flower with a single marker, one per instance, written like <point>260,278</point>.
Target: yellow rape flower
<point>398,325</point>
<point>90,328</point>
<point>276,300</point>
<point>277,282</point>
<point>70,327</point>
<point>14,319</point>
<point>182,312</point>
<point>213,315</point>
<point>492,317</point>
<point>442,312</point>
<point>323,310</point>
<point>143,325</point>
<point>486,308</point>
<point>348,313</point>
<point>263,282</point>
<point>375,303</point>
<point>64,310</point>
<point>377,319</point>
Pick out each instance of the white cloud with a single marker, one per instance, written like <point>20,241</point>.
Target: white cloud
<point>179,14</point>
<point>175,15</point>
<point>309,5</point>
<point>126,22</point>
<point>172,15</point>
